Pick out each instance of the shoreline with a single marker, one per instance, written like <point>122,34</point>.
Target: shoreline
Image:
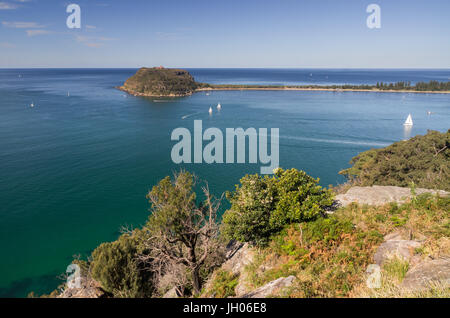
<point>281,88</point>
<point>123,89</point>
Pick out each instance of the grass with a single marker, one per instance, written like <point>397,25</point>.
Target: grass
<point>396,268</point>
<point>223,284</point>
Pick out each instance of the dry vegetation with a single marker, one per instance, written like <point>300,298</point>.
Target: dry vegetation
<point>330,256</point>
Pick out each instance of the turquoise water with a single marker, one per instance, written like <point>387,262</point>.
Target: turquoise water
<point>76,168</point>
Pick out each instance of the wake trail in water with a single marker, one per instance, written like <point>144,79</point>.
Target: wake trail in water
<point>189,115</point>
<point>346,142</point>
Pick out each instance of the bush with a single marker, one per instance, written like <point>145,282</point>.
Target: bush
<point>116,267</point>
<point>262,206</point>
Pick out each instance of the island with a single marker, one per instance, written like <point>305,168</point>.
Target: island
<point>168,82</point>
<point>159,82</point>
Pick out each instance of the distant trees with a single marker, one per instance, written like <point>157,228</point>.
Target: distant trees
<point>420,86</point>
<point>404,85</point>
<point>160,82</point>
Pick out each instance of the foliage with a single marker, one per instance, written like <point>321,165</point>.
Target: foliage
<point>423,160</point>
<point>398,86</point>
<point>184,233</point>
<point>116,266</point>
<point>223,284</point>
<point>396,268</point>
<point>262,206</point>
<point>160,82</point>
<point>329,255</point>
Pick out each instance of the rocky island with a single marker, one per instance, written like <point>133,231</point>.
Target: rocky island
<point>159,82</point>
<point>171,82</point>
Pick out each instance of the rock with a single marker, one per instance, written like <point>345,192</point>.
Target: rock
<point>273,288</point>
<point>237,255</point>
<point>434,271</point>
<point>403,249</point>
<point>239,259</point>
<point>232,247</point>
<point>394,236</point>
<point>172,293</point>
<point>379,195</point>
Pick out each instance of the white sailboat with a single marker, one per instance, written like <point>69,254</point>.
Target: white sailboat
<point>408,121</point>
<point>219,107</point>
<point>32,104</point>
<point>210,110</point>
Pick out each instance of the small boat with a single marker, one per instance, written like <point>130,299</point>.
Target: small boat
<point>68,94</point>
<point>408,121</point>
<point>210,110</point>
<point>32,105</point>
<point>207,94</point>
<point>219,107</point>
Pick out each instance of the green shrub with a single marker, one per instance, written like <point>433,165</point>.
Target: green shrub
<point>262,206</point>
<point>116,267</point>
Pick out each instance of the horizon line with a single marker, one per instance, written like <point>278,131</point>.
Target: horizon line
<point>256,68</point>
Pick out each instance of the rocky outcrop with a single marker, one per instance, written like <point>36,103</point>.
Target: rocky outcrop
<point>88,288</point>
<point>239,258</point>
<point>424,274</point>
<point>379,195</point>
<point>275,287</point>
<point>402,249</point>
<point>172,293</point>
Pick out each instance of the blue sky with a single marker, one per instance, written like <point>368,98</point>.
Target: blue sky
<point>225,33</point>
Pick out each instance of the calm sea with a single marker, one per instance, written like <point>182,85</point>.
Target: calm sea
<point>77,165</point>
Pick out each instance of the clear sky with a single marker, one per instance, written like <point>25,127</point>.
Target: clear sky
<point>225,33</point>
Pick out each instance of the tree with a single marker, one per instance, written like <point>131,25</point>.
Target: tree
<point>183,233</point>
<point>262,206</point>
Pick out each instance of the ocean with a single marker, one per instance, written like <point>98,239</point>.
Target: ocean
<point>78,165</point>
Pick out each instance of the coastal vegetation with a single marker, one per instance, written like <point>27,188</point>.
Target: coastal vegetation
<point>422,160</point>
<point>329,256</point>
<point>432,86</point>
<point>293,228</point>
<point>160,81</point>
